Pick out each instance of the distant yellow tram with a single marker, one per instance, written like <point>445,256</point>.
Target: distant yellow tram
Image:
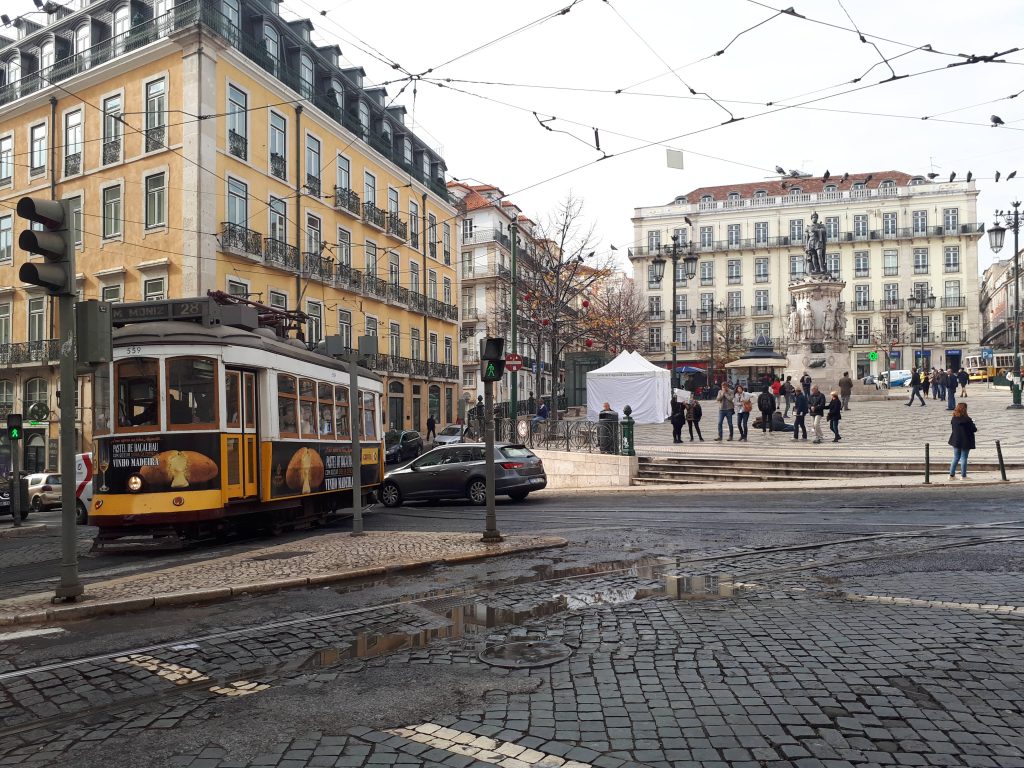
<point>203,427</point>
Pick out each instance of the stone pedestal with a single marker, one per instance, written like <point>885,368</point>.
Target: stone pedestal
<point>816,333</point>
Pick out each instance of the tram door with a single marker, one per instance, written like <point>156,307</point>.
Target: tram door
<point>240,444</point>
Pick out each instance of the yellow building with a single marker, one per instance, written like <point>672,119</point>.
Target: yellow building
<point>213,146</point>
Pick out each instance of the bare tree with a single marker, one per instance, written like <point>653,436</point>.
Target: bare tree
<point>619,316</point>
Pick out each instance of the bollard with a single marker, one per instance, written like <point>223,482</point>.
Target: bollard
<point>927,464</point>
<point>999,455</point>
<point>627,432</point>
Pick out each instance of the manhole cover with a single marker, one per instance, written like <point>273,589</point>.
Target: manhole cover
<point>539,653</point>
<point>279,556</point>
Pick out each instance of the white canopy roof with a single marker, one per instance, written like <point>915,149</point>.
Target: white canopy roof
<point>630,379</point>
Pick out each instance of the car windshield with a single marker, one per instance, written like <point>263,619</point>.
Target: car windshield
<point>391,439</point>
<point>516,452</point>
<point>451,430</point>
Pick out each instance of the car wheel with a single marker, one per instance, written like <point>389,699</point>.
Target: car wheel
<point>477,492</point>
<point>82,516</point>
<point>37,504</point>
<point>390,495</point>
<point>519,495</point>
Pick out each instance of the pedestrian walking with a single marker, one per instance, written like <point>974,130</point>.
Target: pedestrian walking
<point>962,439</point>
<point>816,410</point>
<point>431,428</point>
<point>788,392</point>
<point>915,387</point>
<point>678,418</point>
<point>943,378</point>
<point>693,414</point>
<point>835,413</point>
<point>742,404</point>
<point>726,406</point>
<point>963,378</point>
<point>777,392</point>
<point>766,405</point>
<point>845,389</point>
<point>800,407</point>
<point>950,389</point>
<point>934,380</point>
<point>805,382</point>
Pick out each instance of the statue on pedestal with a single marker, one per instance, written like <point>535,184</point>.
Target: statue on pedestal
<point>815,247</point>
<point>840,321</point>
<point>828,327</point>
<point>806,321</point>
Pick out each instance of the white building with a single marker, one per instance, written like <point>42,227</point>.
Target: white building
<point>997,303</point>
<point>890,236</point>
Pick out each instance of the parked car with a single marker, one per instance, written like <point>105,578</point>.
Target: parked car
<point>5,499</point>
<point>458,471</point>
<point>43,491</point>
<point>402,445</point>
<point>450,435</point>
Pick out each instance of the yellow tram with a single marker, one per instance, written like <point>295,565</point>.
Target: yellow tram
<point>205,424</point>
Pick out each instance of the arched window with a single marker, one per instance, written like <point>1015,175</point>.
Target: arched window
<point>6,393</point>
<point>887,184</point>
<point>760,193</point>
<point>82,39</point>
<point>407,150</point>
<point>858,185</point>
<point>231,13</point>
<point>36,391</point>
<point>14,73</point>
<point>917,180</point>
<point>306,75</point>
<point>426,166</point>
<point>706,198</point>
<point>385,131</point>
<point>364,117</point>
<point>122,20</point>
<point>795,191</point>
<point>734,195</point>
<point>46,54</point>
<point>273,42</point>
<point>830,187</point>
<point>339,94</point>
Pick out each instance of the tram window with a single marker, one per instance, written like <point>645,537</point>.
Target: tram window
<point>341,412</point>
<point>368,411</point>
<point>326,398</point>
<point>232,393</point>
<point>286,405</point>
<point>307,407</point>
<point>137,393</point>
<point>101,400</point>
<point>249,385</point>
<point>192,393</point>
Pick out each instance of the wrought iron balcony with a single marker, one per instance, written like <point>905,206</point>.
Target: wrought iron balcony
<point>278,166</point>
<point>313,185</point>
<point>859,340</point>
<point>235,237</point>
<point>346,200</point>
<point>862,306</point>
<point>374,286</point>
<point>396,227</point>
<point>954,337</point>
<point>111,151</point>
<point>73,164</point>
<point>885,304</point>
<point>954,302</point>
<point>735,279</point>
<point>348,278</point>
<point>19,353</point>
<point>952,267</point>
<point>920,269</point>
<point>862,272</point>
<point>417,301</point>
<point>155,138</point>
<point>682,314</point>
<point>374,216</point>
<point>279,254</point>
<point>765,310</point>
<point>735,310</point>
<point>890,271</point>
<point>238,145</point>
<point>655,315</point>
<point>316,267</point>
<point>655,347</point>
<point>398,294</point>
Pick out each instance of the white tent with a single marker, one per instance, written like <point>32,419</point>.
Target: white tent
<point>630,379</point>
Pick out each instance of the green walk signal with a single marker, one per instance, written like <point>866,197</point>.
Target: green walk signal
<point>14,426</point>
<point>492,359</point>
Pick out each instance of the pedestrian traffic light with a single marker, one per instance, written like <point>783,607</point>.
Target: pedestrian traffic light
<point>14,426</point>
<point>492,359</point>
<point>55,243</point>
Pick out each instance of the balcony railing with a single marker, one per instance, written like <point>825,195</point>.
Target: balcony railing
<point>44,351</point>
<point>417,301</point>
<point>278,166</point>
<point>73,164</point>
<point>155,138</point>
<point>954,337</point>
<point>920,269</point>
<point>374,216</point>
<point>655,315</point>
<point>313,185</point>
<point>862,272</point>
<point>486,235</point>
<point>762,278</point>
<point>315,267</point>
<point>954,302</point>
<point>682,314</point>
<point>348,278</point>
<point>396,227</point>
<point>279,254</point>
<point>885,304</point>
<point>952,267</point>
<point>238,145</point>
<point>735,310</point>
<point>375,286</point>
<point>398,294</point>
<point>655,347</point>
<point>235,237</point>
<point>862,306</point>
<point>890,271</point>
<point>346,200</point>
<point>860,340</point>
<point>735,279</point>
<point>765,310</point>
<point>111,151</point>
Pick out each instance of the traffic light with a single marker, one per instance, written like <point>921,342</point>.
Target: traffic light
<point>14,426</point>
<point>492,359</point>
<point>55,243</point>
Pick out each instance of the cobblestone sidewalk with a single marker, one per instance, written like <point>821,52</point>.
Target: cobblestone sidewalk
<point>317,560</point>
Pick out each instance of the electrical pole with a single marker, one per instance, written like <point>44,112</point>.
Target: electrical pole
<point>513,407</point>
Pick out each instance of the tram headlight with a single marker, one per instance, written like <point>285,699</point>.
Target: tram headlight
<point>135,483</point>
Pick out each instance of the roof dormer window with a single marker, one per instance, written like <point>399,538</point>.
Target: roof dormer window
<point>734,195</point>
<point>758,194</point>
<point>364,118</point>
<point>339,94</point>
<point>272,40</point>
<point>46,55</point>
<point>407,150</point>
<point>706,198</point>
<point>306,75</point>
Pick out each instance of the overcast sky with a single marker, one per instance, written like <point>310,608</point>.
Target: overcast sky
<point>631,44</point>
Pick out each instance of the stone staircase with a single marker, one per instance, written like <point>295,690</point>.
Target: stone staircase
<point>671,470</point>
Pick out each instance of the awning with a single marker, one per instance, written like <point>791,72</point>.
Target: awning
<point>758,362</point>
<point>689,369</point>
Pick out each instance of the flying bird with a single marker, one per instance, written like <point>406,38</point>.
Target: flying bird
<point>869,178</point>
<point>970,175</point>
<point>845,177</point>
<point>996,120</point>
<point>932,175</point>
<point>1010,175</point>
<point>826,176</point>
<point>784,185</point>
<point>613,247</point>
<point>780,170</point>
<point>952,175</point>
<point>997,177</point>
<point>687,220</point>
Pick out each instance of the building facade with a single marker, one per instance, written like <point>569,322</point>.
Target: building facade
<point>891,236</point>
<point>997,304</point>
<point>213,146</point>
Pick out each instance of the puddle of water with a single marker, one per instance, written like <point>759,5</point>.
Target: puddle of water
<point>279,556</point>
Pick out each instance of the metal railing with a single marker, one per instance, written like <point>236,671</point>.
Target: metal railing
<point>316,267</point>
<point>73,164</point>
<point>346,200</point>
<point>155,138</point>
<point>278,166</point>
<point>111,151</point>
<point>278,253</point>
<point>44,351</point>
<point>374,216</point>
<point>313,185</point>
<point>953,302</point>
<point>238,145</point>
<point>601,436</point>
<point>396,227</point>
<point>238,238</point>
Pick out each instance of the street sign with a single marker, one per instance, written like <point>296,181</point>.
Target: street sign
<point>513,362</point>
<point>986,353</point>
<point>872,355</point>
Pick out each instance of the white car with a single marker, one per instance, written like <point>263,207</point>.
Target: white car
<point>450,435</point>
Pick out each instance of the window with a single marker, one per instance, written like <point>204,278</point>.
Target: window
<point>122,19</point>
<point>73,143</point>
<point>760,233</point>
<point>338,92</point>
<point>156,201</point>
<point>314,322</point>
<point>344,173</point>
<point>414,224</point>
<point>394,268</point>
<point>680,235</point>
<point>761,301</point>
<point>890,263</point>
<point>82,42</point>
<point>953,327</point>
<point>393,201</point>
<point>734,274</point>
<point>860,225</point>
<point>37,149</point>
<point>950,219</point>
<point>414,344</point>
<point>46,56</point>
<point>407,150</point>
<point>680,274</point>
<point>863,332</point>
<point>312,165</point>
<point>369,188</point>
<point>920,261</point>
<point>431,284</point>
<point>654,338</point>
<point>237,122</point>
<point>307,408</point>
<point>6,240</point>
<point>192,393</point>
<point>345,327</point>
<point>111,293</point>
<point>371,326</point>
<point>306,75</point>
<point>446,243</point>
<point>273,43</point>
<point>734,302</point>
<point>414,277</point>
<point>707,272</point>
<point>920,219</point>
<point>238,202</point>
<point>278,139</point>
<point>654,307</point>
<point>920,290</point>
<point>651,282</point>
<point>278,214</point>
<point>951,255</point>
<point>154,289</point>
<point>654,241</point>
<point>156,108</point>
<point>112,212</point>
<point>368,407</point>
<point>137,382</point>
<point>761,270</point>
<point>279,300</point>
<point>862,296</point>
<point>891,295</point>
<point>76,218</point>
<point>231,13</point>
<point>6,392</point>
<point>892,327</point>
<point>364,119</point>
<point>733,234</point>
<point>796,230</point>
<point>707,237</point>
<point>237,288</point>
<point>952,291</point>
<point>706,301</point>
<point>370,253</point>
<point>889,225</point>
<point>395,340</point>
<point>36,319</point>
<point>681,305</point>
<point>313,234</point>
<point>860,264</point>
<point>432,235</point>
<point>797,265</point>
<point>832,265</point>
<point>344,247</point>
<point>287,405</point>
<point>112,130</point>
<point>449,352</point>
<point>705,335</point>
<point>832,227</point>
<point>6,159</point>
<point>433,348</point>
<point>446,295</point>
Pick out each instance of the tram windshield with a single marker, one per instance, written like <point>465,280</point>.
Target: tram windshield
<point>192,392</point>
<point>137,386</point>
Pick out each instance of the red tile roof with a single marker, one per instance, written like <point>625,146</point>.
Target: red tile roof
<point>772,187</point>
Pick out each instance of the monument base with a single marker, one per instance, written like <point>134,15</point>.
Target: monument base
<point>817,338</point>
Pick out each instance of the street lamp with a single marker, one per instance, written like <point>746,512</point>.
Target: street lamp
<point>995,240</point>
<point>919,301</point>
<point>690,267</point>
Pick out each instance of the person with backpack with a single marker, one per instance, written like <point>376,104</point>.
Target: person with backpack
<point>726,407</point>
<point>816,409</point>
<point>800,407</point>
<point>693,414</point>
<point>742,404</point>
<point>962,439</point>
<point>962,378</point>
<point>835,413</point>
<point>788,392</point>
<point>766,405</point>
<point>805,382</point>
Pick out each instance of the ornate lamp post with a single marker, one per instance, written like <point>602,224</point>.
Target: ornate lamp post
<point>919,302</point>
<point>690,267</point>
<point>995,240</point>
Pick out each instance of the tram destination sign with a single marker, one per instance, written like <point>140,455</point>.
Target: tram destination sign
<point>202,309</point>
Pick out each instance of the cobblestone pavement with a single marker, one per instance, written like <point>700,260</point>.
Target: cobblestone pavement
<point>790,672</point>
<point>329,556</point>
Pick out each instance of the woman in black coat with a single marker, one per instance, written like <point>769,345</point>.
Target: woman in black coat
<point>834,414</point>
<point>678,419</point>
<point>961,438</point>
<point>766,405</point>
